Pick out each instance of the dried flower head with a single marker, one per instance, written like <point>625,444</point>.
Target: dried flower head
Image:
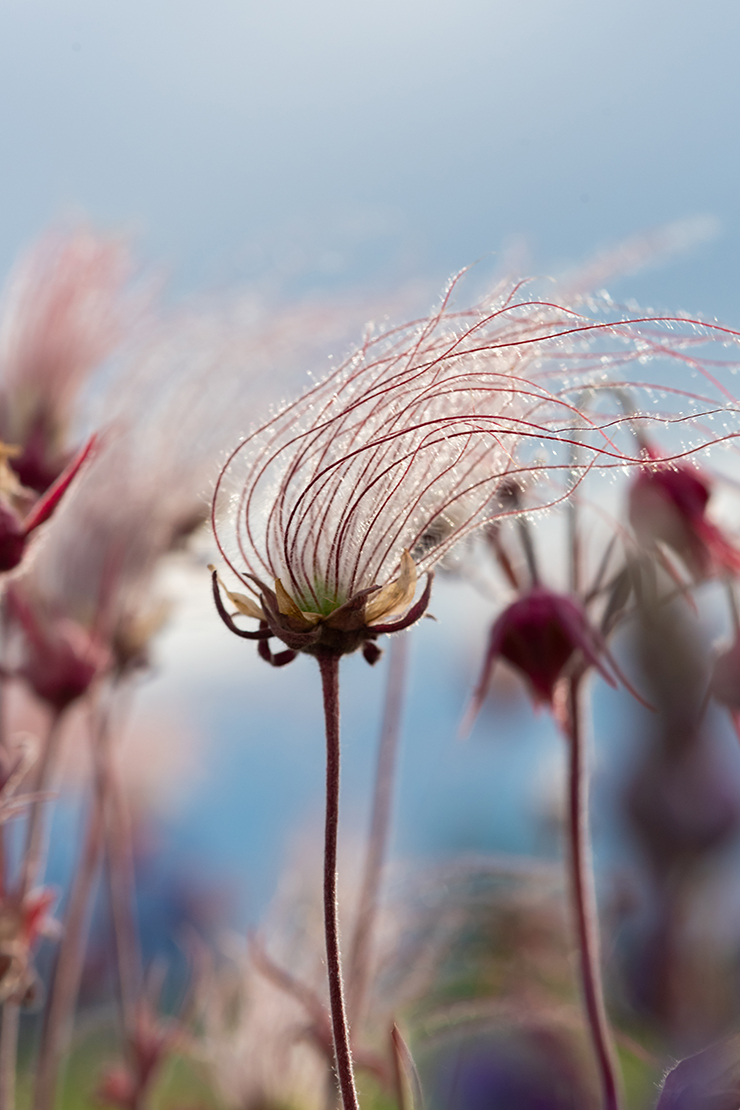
<point>329,510</point>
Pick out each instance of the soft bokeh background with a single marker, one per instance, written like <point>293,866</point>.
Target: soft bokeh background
<point>333,147</point>
<point>341,142</point>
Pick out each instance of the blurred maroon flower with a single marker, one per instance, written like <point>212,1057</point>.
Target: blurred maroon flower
<point>538,635</point>
<point>59,659</point>
<point>668,504</point>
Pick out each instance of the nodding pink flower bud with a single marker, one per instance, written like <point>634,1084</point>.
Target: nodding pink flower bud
<point>538,635</point>
<point>667,504</point>
<point>60,658</point>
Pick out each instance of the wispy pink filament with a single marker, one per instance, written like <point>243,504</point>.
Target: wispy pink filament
<point>418,428</point>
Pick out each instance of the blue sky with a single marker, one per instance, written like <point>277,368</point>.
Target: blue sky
<point>344,143</point>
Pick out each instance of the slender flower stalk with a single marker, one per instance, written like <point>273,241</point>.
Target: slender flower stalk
<point>329,667</point>
<point>584,901</point>
<point>367,910</point>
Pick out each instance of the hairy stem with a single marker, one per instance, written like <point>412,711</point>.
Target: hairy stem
<point>584,902</point>
<point>65,983</point>
<point>329,666</point>
<point>367,910</point>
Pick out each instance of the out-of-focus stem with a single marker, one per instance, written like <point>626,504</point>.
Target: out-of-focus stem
<point>65,982</point>
<point>8,1054</point>
<point>367,911</point>
<point>584,902</point>
<point>530,554</point>
<point>31,868</point>
<point>329,666</point>
<point>33,859</point>
<point>119,849</point>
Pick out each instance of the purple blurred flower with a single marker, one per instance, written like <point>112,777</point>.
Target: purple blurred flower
<point>524,1070</point>
<point>710,1080</point>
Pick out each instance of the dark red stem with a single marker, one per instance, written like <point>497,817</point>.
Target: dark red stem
<point>584,902</point>
<point>329,666</point>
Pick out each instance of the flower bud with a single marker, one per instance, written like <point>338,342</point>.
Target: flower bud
<point>667,504</point>
<point>538,635</point>
<point>61,666</point>
<point>59,658</point>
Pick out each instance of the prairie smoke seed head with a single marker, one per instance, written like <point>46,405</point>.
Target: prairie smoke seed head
<point>340,628</point>
<point>406,445</point>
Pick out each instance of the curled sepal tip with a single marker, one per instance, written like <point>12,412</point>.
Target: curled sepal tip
<point>243,604</point>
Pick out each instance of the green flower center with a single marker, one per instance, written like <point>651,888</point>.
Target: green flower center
<point>322,600</point>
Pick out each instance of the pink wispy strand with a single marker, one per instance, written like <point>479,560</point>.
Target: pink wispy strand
<point>405,444</point>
